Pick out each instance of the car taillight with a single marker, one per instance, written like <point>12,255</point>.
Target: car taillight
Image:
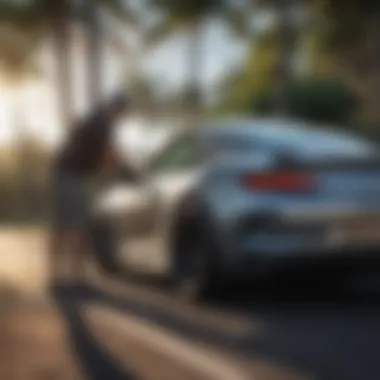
<point>280,182</point>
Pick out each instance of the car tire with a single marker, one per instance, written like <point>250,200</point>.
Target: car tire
<point>196,269</point>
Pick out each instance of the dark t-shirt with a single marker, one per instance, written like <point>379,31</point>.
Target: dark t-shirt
<point>84,150</point>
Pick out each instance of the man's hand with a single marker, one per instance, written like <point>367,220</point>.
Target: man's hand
<point>118,167</point>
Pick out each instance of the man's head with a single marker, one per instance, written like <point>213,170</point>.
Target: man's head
<point>119,106</point>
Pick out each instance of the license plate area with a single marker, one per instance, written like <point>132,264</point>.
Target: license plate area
<point>355,232</point>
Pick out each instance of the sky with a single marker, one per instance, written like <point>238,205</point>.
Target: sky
<point>221,51</point>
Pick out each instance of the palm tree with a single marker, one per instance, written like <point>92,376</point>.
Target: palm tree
<point>285,38</point>
<point>285,46</point>
<point>60,28</point>
<point>92,14</point>
<point>94,53</point>
<point>291,16</point>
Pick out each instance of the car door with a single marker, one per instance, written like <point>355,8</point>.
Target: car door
<point>170,177</point>
<point>133,205</point>
<point>126,204</point>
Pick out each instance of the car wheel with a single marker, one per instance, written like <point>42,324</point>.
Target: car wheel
<point>196,270</point>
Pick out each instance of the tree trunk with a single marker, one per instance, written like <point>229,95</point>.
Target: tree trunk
<point>95,53</point>
<point>61,12</point>
<point>21,173</point>
<point>285,46</point>
<point>194,89</point>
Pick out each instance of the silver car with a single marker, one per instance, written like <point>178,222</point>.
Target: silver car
<point>229,198</point>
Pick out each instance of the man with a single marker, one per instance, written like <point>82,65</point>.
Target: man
<point>85,152</point>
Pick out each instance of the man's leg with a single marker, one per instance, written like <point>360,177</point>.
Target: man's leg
<point>78,256</point>
<point>78,240</point>
<point>58,261</point>
<point>58,235</point>
<point>56,241</point>
<point>66,224</point>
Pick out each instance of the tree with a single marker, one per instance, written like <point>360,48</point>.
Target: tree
<point>259,73</point>
<point>91,14</point>
<point>291,18</point>
<point>60,26</point>
<point>286,42</point>
<point>38,17</point>
<point>189,16</point>
<point>47,17</point>
<point>15,70</point>
<point>350,38</point>
<point>317,100</point>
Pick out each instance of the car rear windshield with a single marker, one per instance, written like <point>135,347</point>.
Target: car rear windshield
<point>314,144</point>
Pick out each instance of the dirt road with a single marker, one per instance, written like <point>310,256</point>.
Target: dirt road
<point>122,330</point>
<point>73,339</point>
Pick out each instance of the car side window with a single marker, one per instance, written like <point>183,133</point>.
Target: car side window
<point>181,155</point>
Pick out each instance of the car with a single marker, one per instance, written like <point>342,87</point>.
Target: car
<point>231,198</point>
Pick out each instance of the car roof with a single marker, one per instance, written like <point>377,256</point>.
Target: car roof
<point>256,127</point>
<point>302,138</point>
<point>272,129</point>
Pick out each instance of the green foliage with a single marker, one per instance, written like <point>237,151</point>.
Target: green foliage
<point>349,25</point>
<point>188,8</point>
<point>347,47</point>
<point>38,15</point>
<point>257,74</point>
<point>187,14</point>
<point>321,100</point>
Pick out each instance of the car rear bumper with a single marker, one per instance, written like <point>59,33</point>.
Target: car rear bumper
<point>272,240</point>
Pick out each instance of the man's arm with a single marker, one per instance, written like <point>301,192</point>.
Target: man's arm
<point>116,164</point>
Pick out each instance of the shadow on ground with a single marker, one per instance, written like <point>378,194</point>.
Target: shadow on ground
<point>94,359</point>
<point>315,327</point>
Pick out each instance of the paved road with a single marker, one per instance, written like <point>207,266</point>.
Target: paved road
<point>292,332</point>
<point>304,329</point>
